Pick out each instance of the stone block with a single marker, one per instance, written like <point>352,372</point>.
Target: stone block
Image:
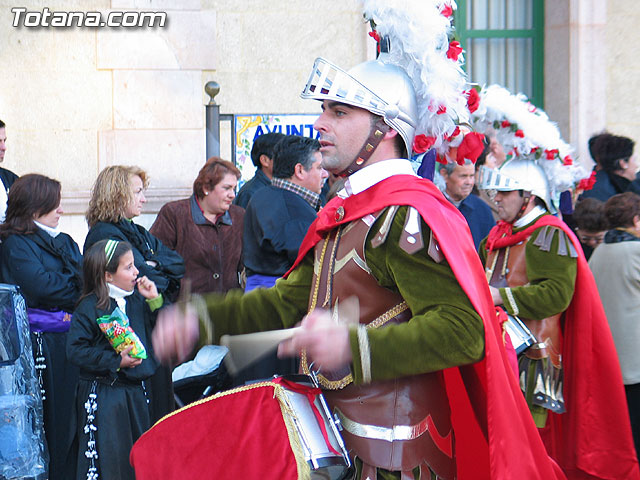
<point>187,41</point>
<point>157,99</point>
<point>69,156</point>
<point>56,99</point>
<point>172,158</point>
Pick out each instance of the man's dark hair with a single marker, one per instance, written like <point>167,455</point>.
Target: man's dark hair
<point>589,215</point>
<point>592,146</point>
<point>486,148</point>
<point>263,145</point>
<point>611,149</point>
<point>621,209</point>
<point>290,151</point>
<point>2,125</point>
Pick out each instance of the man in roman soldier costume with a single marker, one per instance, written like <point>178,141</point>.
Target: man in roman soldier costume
<point>419,379</point>
<point>538,274</point>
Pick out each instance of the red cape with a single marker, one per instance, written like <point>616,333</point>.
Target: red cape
<point>593,439</point>
<point>485,397</point>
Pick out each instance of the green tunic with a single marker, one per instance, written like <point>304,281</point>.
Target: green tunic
<point>552,279</point>
<point>444,331</point>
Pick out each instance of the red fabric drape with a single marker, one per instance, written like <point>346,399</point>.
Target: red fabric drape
<point>593,438</point>
<point>234,436</point>
<point>495,434</point>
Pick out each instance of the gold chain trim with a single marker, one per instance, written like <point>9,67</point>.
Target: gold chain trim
<point>506,262</point>
<point>388,315</point>
<point>489,271</point>
<point>330,272</point>
<point>347,379</point>
<point>316,286</point>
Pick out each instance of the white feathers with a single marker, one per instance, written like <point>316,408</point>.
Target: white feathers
<point>526,132</point>
<point>419,37</point>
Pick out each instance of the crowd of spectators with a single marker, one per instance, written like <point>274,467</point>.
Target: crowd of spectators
<point>217,241</point>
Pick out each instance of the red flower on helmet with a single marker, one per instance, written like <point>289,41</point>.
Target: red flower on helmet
<point>519,134</point>
<point>422,143</point>
<point>587,183</point>
<point>454,50</point>
<point>505,124</point>
<point>473,100</point>
<point>455,133</point>
<point>441,109</point>
<point>567,160</point>
<point>447,11</point>
<point>551,154</point>
<point>470,148</point>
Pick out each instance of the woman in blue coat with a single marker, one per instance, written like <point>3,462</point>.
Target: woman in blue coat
<point>46,264</point>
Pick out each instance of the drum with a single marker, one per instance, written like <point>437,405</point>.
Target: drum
<point>318,431</point>
<point>277,429</point>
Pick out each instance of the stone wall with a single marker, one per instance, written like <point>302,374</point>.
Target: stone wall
<point>76,100</point>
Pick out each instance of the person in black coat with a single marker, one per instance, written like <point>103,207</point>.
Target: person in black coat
<point>116,198</point>
<point>7,177</point>
<point>46,264</point>
<point>616,167</point>
<point>112,406</point>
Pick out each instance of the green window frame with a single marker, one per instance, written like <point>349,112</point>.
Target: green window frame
<point>498,46</point>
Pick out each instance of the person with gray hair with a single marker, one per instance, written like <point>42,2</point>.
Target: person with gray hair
<point>459,181</point>
<point>278,215</point>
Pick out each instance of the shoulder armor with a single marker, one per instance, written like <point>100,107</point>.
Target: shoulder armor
<point>385,228</point>
<point>411,237</point>
<point>545,238</point>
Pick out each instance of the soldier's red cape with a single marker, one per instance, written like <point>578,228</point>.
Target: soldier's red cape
<point>593,438</point>
<point>495,434</point>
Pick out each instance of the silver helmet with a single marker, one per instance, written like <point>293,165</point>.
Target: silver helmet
<point>381,88</point>
<point>518,174</point>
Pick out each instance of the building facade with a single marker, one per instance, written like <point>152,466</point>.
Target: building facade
<point>77,99</point>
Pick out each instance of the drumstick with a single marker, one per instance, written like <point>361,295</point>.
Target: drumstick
<point>246,349</point>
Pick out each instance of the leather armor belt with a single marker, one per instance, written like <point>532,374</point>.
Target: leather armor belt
<point>398,432</point>
<point>537,351</point>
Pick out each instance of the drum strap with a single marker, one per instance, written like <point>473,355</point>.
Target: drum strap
<point>311,394</point>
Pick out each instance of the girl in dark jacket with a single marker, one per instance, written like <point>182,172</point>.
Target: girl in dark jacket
<point>110,341</point>
<point>117,198</point>
<point>46,264</point>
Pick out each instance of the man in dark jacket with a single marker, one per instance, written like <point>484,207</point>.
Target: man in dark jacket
<point>262,158</point>
<point>459,180</point>
<point>6,176</point>
<point>279,215</point>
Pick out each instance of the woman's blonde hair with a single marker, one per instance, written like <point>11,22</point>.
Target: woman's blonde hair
<point>111,193</point>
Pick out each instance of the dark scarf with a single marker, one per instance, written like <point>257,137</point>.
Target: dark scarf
<point>618,236</point>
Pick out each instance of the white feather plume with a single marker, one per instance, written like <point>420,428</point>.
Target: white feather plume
<point>419,35</point>
<point>526,131</point>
